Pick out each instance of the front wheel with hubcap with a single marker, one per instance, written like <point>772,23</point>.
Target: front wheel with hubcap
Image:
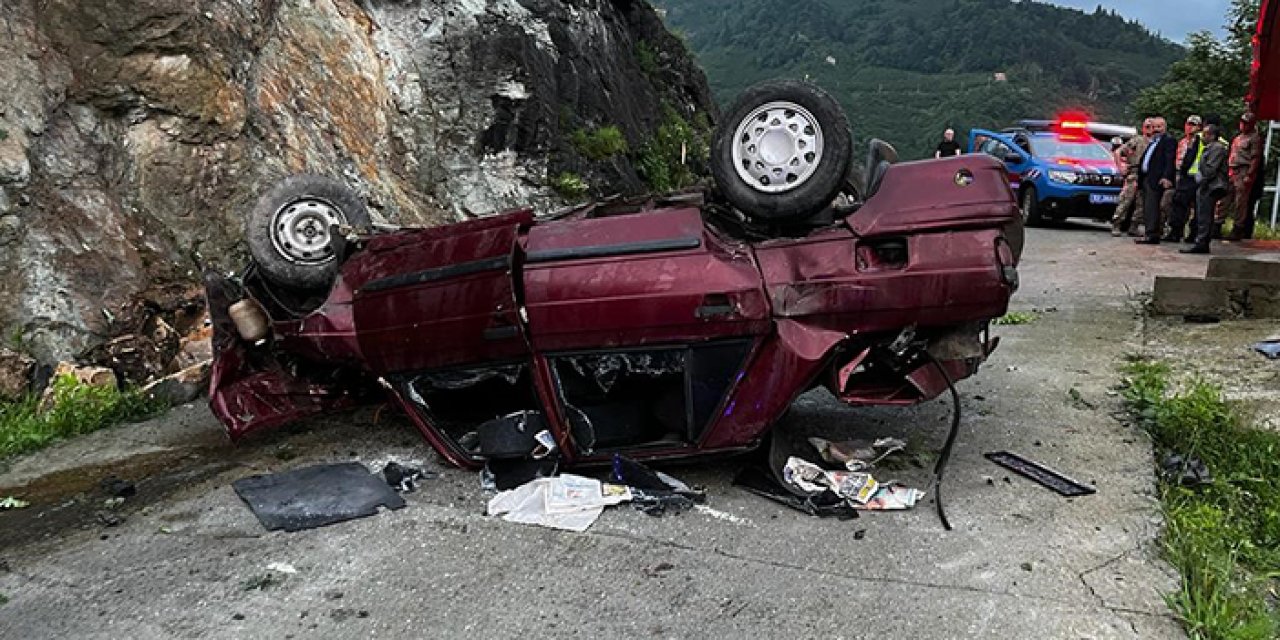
<point>1031,208</point>
<point>290,230</point>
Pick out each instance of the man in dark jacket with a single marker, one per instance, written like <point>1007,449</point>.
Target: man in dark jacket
<point>1213,184</point>
<point>1184,197</point>
<point>1156,174</point>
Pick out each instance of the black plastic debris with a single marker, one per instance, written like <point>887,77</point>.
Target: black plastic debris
<point>1187,471</point>
<point>1268,348</point>
<point>653,492</point>
<point>510,473</point>
<point>315,496</point>
<point>762,482</point>
<point>404,478</point>
<point>1040,474</point>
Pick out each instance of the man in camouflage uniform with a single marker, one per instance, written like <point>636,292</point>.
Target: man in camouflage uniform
<point>1129,159</point>
<point>1246,157</point>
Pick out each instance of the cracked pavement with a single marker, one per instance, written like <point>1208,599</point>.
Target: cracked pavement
<point>1022,561</point>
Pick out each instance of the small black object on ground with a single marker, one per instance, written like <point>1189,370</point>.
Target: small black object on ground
<point>1187,471</point>
<point>315,496</point>
<point>653,492</point>
<point>1040,474</point>
<point>404,478</point>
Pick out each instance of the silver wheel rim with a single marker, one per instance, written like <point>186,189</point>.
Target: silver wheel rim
<point>300,230</point>
<point>777,147</point>
<point>1028,201</point>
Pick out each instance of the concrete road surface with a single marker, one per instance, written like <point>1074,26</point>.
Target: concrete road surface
<point>190,561</point>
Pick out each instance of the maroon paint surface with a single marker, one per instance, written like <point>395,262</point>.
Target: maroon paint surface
<point>510,289</point>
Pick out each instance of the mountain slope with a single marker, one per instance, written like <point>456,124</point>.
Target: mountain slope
<point>905,71</point>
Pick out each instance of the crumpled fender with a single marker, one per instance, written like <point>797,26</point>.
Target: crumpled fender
<point>249,388</point>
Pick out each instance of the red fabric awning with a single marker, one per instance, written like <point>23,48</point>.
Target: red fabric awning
<point>1264,87</point>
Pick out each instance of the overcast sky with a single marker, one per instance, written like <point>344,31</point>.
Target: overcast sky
<point>1172,18</point>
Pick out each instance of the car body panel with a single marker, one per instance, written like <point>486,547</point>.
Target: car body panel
<point>658,277</point>
<point>745,326</point>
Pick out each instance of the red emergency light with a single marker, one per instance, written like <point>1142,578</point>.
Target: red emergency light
<point>1072,126</point>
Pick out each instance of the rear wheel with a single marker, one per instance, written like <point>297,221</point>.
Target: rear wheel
<point>782,152</point>
<point>290,230</point>
<point>1031,214</point>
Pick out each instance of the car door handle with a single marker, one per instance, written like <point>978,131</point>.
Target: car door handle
<point>715,305</point>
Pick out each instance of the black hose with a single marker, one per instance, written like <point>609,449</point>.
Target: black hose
<point>945,454</point>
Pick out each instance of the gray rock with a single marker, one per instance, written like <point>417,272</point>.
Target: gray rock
<point>137,133</point>
<point>15,374</point>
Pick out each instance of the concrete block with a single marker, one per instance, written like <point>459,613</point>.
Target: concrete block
<point>1253,269</point>
<point>1175,296</point>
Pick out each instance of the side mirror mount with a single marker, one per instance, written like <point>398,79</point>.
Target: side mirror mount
<point>1014,158</point>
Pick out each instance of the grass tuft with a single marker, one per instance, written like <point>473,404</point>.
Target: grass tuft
<point>76,409</point>
<point>600,143</point>
<point>1224,538</point>
<point>569,186</point>
<point>1016,317</point>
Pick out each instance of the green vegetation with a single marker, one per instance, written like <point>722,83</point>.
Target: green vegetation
<point>599,143</point>
<point>1223,538</point>
<point>4,135</point>
<point>1016,317</point>
<point>1214,76</point>
<point>675,156</point>
<point>76,409</point>
<point>906,70</point>
<point>647,58</point>
<point>569,185</point>
<point>1261,230</point>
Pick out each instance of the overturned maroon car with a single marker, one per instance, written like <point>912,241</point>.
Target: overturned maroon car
<point>678,326</point>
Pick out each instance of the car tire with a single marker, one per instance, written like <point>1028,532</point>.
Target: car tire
<point>290,227</point>
<point>1031,208</point>
<point>782,152</point>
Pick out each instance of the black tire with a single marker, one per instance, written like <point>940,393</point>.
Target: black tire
<point>798,193</point>
<point>291,245</point>
<point>1031,214</point>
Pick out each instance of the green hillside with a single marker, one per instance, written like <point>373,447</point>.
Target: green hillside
<point>907,70</point>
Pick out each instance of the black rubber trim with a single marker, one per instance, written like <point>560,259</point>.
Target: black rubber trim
<point>623,249</point>
<point>438,273</point>
<point>501,333</point>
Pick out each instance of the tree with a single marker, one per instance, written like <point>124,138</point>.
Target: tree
<point>1214,76</point>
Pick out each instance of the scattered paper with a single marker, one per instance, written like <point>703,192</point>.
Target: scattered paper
<point>567,502</point>
<point>857,455</point>
<point>812,479</point>
<point>892,497</point>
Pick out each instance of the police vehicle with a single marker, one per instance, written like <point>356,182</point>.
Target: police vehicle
<point>1059,169</point>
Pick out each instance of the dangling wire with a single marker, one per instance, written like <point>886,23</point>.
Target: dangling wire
<point>945,454</point>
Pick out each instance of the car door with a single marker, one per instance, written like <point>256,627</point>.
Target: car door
<point>1002,147</point>
<point>441,297</point>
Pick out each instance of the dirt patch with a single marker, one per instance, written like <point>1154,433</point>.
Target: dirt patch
<point>74,499</point>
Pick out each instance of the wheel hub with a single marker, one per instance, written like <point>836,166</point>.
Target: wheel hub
<point>300,230</point>
<point>777,147</point>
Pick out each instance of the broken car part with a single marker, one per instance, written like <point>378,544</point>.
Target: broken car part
<point>1186,471</point>
<point>315,496</point>
<point>250,320</point>
<point>1041,474</point>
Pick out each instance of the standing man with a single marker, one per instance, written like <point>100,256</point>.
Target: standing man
<point>1244,162</point>
<point>1188,161</point>
<point>948,148</point>
<point>1155,176</point>
<point>1211,179</point>
<point>1128,158</point>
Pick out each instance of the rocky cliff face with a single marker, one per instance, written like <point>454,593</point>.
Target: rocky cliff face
<point>134,134</point>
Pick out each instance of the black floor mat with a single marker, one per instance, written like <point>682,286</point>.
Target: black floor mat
<point>315,496</point>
